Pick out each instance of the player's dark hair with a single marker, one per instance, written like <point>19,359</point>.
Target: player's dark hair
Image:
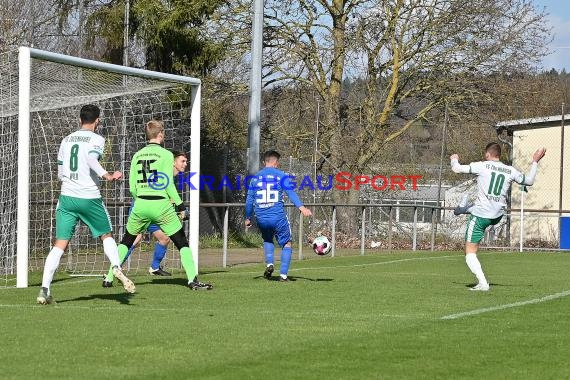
<point>178,153</point>
<point>271,154</point>
<point>494,149</point>
<point>89,113</point>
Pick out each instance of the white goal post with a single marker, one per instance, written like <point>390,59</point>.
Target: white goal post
<point>124,94</point>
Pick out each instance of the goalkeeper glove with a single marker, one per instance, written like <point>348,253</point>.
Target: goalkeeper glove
<point>182,212</point>
<point>184,215</point>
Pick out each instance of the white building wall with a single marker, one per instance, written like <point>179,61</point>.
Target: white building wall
<point>544,194</point>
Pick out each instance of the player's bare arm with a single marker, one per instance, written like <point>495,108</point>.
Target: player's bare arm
<point>456,167</point>
<point>112,177</point>
<point>305,211</point>
<point>538,155</point>
<point>529,178</point>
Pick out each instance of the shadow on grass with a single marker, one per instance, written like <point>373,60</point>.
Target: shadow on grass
<point>56,280</point>
<point>214,271</point>
<point>164,281</point>
<point>293,279</point>
<point>123,298</point>
<point>491,284</point>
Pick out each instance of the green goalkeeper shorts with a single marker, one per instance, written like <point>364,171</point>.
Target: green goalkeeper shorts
<point>159,212</point>
<point>476,227</point>
<point>70,210</point>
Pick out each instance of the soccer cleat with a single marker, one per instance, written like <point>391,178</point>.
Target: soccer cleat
<point>462,210</point>
<point>463,207</point>
<point>127,284</point>
<point>480,287</point>
<point>44,298</point>
<point>283,279</point>
<point>268,271</point>
<point>197,285</point>
<point>107,284</point>
<point>158,272</point>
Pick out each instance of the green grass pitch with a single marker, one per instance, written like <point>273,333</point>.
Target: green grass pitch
<point>378,316</point>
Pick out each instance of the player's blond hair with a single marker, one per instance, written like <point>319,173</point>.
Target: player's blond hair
<point>153,128</point>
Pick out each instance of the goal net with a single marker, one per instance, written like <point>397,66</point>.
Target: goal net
<point>40,98</point>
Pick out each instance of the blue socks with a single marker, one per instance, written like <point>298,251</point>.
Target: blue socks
<point>286,254</point>
<point>159,253</point>
<point>128,254</point>
<point>268,249</point>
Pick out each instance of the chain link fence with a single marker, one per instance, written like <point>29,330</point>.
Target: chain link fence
<point>405,217</point>
<point>382,228</point>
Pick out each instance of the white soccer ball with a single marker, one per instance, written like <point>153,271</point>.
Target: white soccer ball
<point>321,245</point>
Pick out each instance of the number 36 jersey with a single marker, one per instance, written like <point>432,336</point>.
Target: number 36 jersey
<point>494,179</point>
<point>78,179</point>
<point>265,194</point>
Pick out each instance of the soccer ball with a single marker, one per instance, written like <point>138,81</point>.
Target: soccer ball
<point>321,245</point>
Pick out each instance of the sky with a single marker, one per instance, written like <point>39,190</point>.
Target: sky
<point>559,19</point>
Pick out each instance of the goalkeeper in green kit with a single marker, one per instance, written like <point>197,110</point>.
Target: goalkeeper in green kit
<point>151,184</point>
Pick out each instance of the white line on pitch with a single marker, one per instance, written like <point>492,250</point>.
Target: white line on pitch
<point>507,306</point>
<point>58,283</point>
<point>356,265</point>
<point>58,307</point>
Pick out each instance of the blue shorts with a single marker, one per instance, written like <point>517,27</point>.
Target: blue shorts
<point>152,228</point>
<point>280,229</point>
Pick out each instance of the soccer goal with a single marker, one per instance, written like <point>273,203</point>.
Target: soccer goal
<point>40,98</point>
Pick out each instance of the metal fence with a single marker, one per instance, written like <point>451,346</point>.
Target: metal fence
<point>380,227</point>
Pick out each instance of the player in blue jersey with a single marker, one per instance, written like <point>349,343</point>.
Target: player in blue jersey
<point>265,199</point>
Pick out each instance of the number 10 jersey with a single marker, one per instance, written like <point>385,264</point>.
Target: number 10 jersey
<point>494,179</point>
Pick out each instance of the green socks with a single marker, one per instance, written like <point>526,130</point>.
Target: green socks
<point>123,253</point>
<point>187,263</point>
<point>185,257</point>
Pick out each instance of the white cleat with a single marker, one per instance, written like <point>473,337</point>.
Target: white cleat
<point>127,284</point>
<point>44,298</point>
<point>480,287</point>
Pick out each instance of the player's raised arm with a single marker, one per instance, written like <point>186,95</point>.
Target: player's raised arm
<point>457,167</point>
<point>529,178</point>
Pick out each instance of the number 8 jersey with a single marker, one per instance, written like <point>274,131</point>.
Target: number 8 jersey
<point>79,180</point>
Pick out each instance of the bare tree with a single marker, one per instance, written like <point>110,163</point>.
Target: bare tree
<point>414,56</point>
<point>28,23</point>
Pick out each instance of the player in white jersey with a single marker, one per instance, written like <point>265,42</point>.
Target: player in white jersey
<point>493,182</point>
<point>79,171</point>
